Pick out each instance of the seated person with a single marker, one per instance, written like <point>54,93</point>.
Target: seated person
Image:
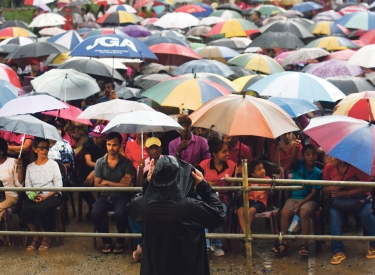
<point>237,150</point>
<point>133,149</point>
<point>302,202</point>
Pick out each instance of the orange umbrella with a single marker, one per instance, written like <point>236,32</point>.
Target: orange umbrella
<point>237,115</point>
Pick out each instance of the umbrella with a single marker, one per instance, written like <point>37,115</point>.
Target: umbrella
<point>297,85</point>
<point>169,34</point>
<point>329,15</point>
<point>280,57</point>
<point>173,54</point>
<point>84,31</point>
<point>341,55</point>
<point>204,66</point>
<point>104,31</point>
<point>293,13</point>
<point>245,81</point>
<point>257,62</point>
<point>258,114</point>
<point>304,54</point>
<point>227,14</point>
<point>332,68</point>
<point>364,57</point>
<point>14,23</point>
<point>222,54</point>
<point>239,72</point>
<point>111,62</point>
<point>7,92</point>
<point>20,40</point>
<point>170,40</point>
<point>303,21</point>
<point>51,31</point>
<point>113,45</point>
<point>351,84</point>
<point>56,59</point>
<point>371,77</point>
<point>344,5</point>
<point>136,31</point>
<point>110,109</point>
<point>70,113</point>
<point>362,20</point>
<point>359,105</point>
<point>237,45</point>
<point>65,84</point>
<point>233,28</point>
<point>190,9</point>
<point>47,20</point>
<point>368,37</point>
<point>148,21</point>
<point>31,105</point>
<point>37,49</point>
<point>207,10</point>
<point>6,73</point>
<point>157,68</point>
<point>332,43</point>
<point>352,9</point>
<point>29,125</point>
<point>326,28</point>
<point>345,132</point>
<point>118,18</point>
<point>221,80</point>
<point>147,81</point>
<point>69,39</point>
<point>183,92</point>
<point>91,25</point>
<point>177,20</point>
<point>295,107</point>
<point>128,93</point>
<point>121,8</point>
<point>270,10</point>
<point>199,30</point>
<point>209,21</point>
<point>8,48</point>
<point>229,6</point>
<point>273,40</point>
<point>15,31</point>
<point>287,26</point>
<point>307,6</point>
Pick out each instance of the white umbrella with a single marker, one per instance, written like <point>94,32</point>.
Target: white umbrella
<point>364,57</point>
<point>47,20</point>
<point>111,62</point>
<point>123,7</point>
<point>208,21</point>
<point>19,40</point>
<point>177,20</point>
<point>110,109</point>
<point>304,54</point>
<point>51,31</point>
<point>66,84</point>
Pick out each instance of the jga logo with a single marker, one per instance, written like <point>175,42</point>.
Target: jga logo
<point>112,42</point>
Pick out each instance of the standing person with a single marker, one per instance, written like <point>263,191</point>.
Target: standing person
<point>69,20</point>
<point>89,16</point>
<point>38,212</point>
<point>15,141</point>
<point>173,219</point>
<point>78,18</point>
<point>100,12</point>
<point>133,149</point>
<point>108,88</point>
<point>189,147</point>
<point>112,170</point>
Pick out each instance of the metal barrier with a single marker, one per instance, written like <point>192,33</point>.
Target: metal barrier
<point>248,237</point>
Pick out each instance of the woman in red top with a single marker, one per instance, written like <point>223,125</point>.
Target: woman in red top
<point>215,171</point>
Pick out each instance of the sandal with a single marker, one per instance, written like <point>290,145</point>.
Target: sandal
<point>277,251</point>
<point>370,254</point>
<point>107,249</point>
<point>119,248</point>
<point>337,259</point>
<point>44,245</point>
<point>304,250</point>
<point>33,246</point>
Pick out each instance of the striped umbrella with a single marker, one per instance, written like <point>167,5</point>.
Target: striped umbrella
<point>307,6</point>
<point>104,31</point>
<point>222,54</point>
<point>204,66</point>
<point>233,28</point>
<point>149,21</point>
<point>69,39</point>
<point>326,28</point>
<point>270,10</point>
<point>332,43</point>
<point>10,32</point>
<point>358,105</point>
<point>119,18</point>
<point>226,14</point>
<point>218,79</point>
<point>244,82</point>
<point>6,73</point>
<point>351,9</point>
<point>121,8</point>
<point>55,60</point>
<point>363,20</point>
<point>257,62</point>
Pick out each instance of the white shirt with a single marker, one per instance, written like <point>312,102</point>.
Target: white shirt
<point>89,17</point>
<point>9,176</point>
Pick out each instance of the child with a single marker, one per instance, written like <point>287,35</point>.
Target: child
<point>302,202</point>
<point>257,199</point>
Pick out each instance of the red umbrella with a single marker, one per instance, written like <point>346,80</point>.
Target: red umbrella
<point>70,113</point>
<point>341,55</point>
<point>190,9</point>
<point>368,37</point>
<point>141,3</point>
<point>173,54</point>
<point>6,73</point>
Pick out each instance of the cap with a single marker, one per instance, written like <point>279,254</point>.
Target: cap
<point>97,132</point>
<point>153,141</point>
<point>34,61</point>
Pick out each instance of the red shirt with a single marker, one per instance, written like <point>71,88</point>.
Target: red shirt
<point>331,172</point>
<point>245,153</point>
<point>134,152</point>
<point>68,23</point>
<point>285,156</point>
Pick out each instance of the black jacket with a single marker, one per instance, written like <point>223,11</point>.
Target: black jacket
<point>173,220</point>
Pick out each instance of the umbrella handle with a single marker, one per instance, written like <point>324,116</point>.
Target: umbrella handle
<point>23,141</point>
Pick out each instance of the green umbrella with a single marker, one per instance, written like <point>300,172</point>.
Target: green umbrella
<point>195,46</point>
<point>270,10</point>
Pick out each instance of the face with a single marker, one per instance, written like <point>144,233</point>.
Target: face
<point>227,139</point>
<point>201,131</point>
<point>34,67</point>
<point>154,151</point>
<point>310,157</point>
<point>333,161</point>
<point>99,141</point>
<point>14,68</point>
<point>287,138</point>
<point>259,171</point>
<point>223,154</point>
<point>254,16</point>
<point>42,149</point>
<point>107,88</point>
<point>113,146</point>
<point>186,131</point>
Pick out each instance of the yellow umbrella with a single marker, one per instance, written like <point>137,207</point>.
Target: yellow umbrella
<point>57,60</point>
<point>244,82</point>
<point>257,62</point>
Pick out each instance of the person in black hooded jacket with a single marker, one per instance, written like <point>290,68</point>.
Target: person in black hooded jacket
<point>173,219</point>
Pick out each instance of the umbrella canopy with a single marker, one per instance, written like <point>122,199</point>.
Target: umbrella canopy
<point>113,45</point>
<point>367,37</point>
<point>136,31</point>
<point>229,6</point>
<point>246,81</point>
<point>273,40</point>
<point>270,10</point>
<point>237,45</point>
<point>157,68</point>
<point>329,15</point>
<point>207,10</point>
<point>239,72</point>
<point>7,92</point>
<point>91,25</point>
<point>168,33</point>
<point>123,7</point>
<point>362,20</point>
<point>262,117</point>
<point>222,81</point>
<point>173,54</point>
<point>326,28</point>
<point>20,40</point>
<point>148,21</point>
<point>15,31</point>
<point>177,20</point>
<point>297,85</point>
<point>110,109</point>
<point>307,6</point>
<point>295,107</point>
<point>209,21</point>
<point>233,28</point>
<point>31,105</point>
<point>303,55</point>
<point>222,54</point>
<point>257,62</point>
<point>118,18</point>
<point>190,9</point>
<point>364,57</point>
<point>332,68</point>
<point>199,31</point>
<point>227,14</point>
<point>6,73</point>
<point>345,132</point>
<point>359,105</point>
<point>204,66</point>
<point>51,31</point>
<point>351,84</point>
<point>70,112</point>
<point>171,40</point>
<point>29,125</point>
<point>47,20</point>
<point>352,9</point>
<point>183,92</point>
<point>287,26</point>
<point>147,81</point>
<point>104,31</point>
<point>65,84</point>
<point>56,60</point>
<point>69,39</point>
<point>14,23</point>
<point>332,43</point>
<point>37,49</point>
<point>8,48</point>
<point>341,55</point>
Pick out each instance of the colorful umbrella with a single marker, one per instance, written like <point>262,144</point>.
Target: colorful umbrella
<point>227,14</point>
<point>273,40</point>
<point>233,28</point>
<point>204,66</point>
<point>173,54</point>
<point>304,55</point>
<point>351,84</point>
<point>171,40</point>
<point>69,39</point>
<point>344,133</point>
<point>307,6</point>
<point>229,114</point>
<point>363,20</point>
<point>297,85</point>
<point>295,107</point>
<point>136,31</point>
<point>149,21</point>
<point>352,9</point>
<point>341,55</point>
<point>246,81</point>
<point>257,62</point>
<point>364,57</point>
<point>359,105</point>
<point>15,31</point>
<point>218,79</point>
<point>368,37</point>
<point>7,92</point>
<point>104,31</point>
<point>6,73</point>
<point>123,7</point>
<point>20,40</point>
<point>333,68</point>
<point>207,10</point>
<point>190,9</point>
<point>56,59</point>
<point>222,54</point>
<point>332,43</point>
<point>177,20</point>
<point>118,18</point>
<point>326,28</point>
<point>185,93</point>
<point>270,10</point>
<point>70,113</point>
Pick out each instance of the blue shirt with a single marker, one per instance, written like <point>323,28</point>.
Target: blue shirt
<point>299,172</point>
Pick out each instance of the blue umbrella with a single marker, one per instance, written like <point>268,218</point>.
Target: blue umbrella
<point>362,20</point>
<point>307,6</point>
<point>69,39</point>
<point>113,45</point>
<point>294,106</point>
<point>7,92</point>
<point>205,13</point>
<point>217,52</point>
<point>204,66</point>
<point>168,33</point>
<point>171,40</point>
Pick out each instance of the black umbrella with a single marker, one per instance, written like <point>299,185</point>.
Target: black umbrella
<point>229,6</point>
<point>15,23</point>
<point>287,26</point>
<point>8,48</point>
<point>273,40</point>
<point>351,84</point>
<point>171,40</point>
<point>93,68</point>
<point>239,72</point>
<point>37,49</point>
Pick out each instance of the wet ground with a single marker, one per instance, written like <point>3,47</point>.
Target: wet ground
<point>78,256</point>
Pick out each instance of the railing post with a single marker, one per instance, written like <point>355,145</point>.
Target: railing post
<point>248,238</point>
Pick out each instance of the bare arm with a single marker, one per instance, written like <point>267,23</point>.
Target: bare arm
<point>89,162</point>
<point>296,144</point>
<point>126,181</point>
<point>15,149</point>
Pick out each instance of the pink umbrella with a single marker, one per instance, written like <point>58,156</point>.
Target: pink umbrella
<point>340,55</point>
<point>280,57</point>
<point>70,113</point>
<point>332,68</point>
<point>359,43</point>
<point>351,9</point>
